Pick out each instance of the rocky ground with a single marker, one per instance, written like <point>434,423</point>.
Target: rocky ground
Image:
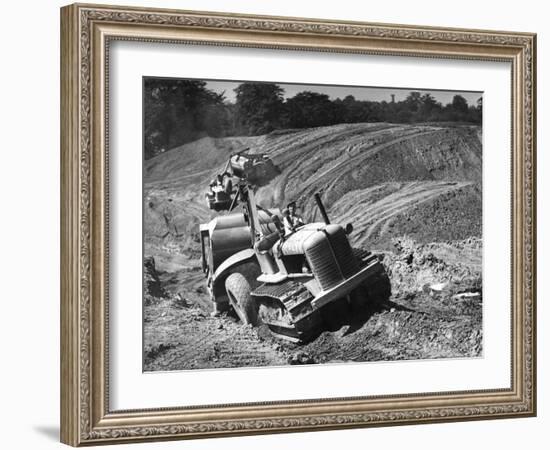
<point>423,319</point>
<point>413,194</point>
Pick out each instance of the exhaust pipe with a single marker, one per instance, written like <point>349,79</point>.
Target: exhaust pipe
<point>322,208</point>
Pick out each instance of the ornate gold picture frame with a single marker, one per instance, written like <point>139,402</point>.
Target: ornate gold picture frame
<point>87,31</point>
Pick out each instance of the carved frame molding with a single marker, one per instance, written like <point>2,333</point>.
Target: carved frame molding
<point>86,32</point>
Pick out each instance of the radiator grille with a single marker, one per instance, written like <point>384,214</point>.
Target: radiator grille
<point>343,252</point>
<point>323,264</point>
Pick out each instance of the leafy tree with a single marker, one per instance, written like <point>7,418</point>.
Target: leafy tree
<point>354,111</point>
<point>475,112</point>
<point>404,115</point>
<point>459,104</point>
<point>259,107</point>
<point>413,102</point>
<point>479,103</point>
<point>429,108</point>
<point>178,111</point>
<point>310,109</point>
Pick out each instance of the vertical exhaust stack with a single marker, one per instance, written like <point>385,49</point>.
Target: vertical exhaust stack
<point>322,208</point>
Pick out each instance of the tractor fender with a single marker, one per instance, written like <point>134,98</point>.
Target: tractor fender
<point>226,268</point>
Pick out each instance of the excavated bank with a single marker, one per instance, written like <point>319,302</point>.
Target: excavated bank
<point>413,194</point>
<point>346,161</point>
<point>435,312</point>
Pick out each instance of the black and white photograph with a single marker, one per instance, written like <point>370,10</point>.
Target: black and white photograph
<point>291,224</point>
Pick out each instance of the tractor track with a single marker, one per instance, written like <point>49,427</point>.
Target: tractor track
<point>380,213</point>
<point>181,338</point>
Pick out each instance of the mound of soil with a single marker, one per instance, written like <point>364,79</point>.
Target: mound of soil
<point>413,194</point>
<point>427,211</point>
<point>435,312</point>
<point>454,215</point>
<point>347,161</point>
<point>455,266</point>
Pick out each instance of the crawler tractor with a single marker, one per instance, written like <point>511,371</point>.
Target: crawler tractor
<point>283,280</point>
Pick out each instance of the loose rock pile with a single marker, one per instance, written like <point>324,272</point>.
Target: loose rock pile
<point>413,267</point>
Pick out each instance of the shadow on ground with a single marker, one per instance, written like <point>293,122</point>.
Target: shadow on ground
<point>49,431</point>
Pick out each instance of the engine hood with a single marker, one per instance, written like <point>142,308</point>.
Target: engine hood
<point>301,239</point>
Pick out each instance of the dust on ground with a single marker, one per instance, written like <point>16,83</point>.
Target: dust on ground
<point>435,311</point>
<point>413,195</point>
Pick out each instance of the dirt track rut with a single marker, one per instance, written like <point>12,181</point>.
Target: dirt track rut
<point>371,217</point>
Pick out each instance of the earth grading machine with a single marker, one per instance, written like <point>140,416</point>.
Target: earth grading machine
<point>290,281</point>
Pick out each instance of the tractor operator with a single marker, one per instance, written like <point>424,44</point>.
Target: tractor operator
<point>222,183</point>
<point>216,185</point>
<point>291,220</point>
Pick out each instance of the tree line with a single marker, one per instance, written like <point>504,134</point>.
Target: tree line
<point>181,111</point>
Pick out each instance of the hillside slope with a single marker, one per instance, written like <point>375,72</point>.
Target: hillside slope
<point>413,195</point>
<point>360,169</point>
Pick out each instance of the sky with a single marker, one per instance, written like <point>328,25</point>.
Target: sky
<point>360,93</point>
